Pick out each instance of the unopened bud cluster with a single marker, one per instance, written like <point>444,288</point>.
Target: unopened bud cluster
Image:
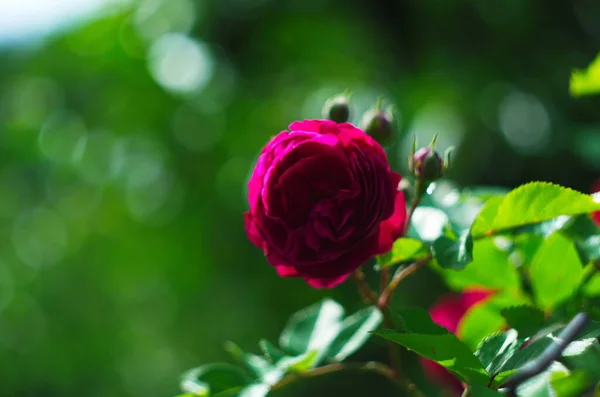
<point>377,122</point>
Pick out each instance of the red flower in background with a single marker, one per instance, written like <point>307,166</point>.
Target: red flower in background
<point>596,215</point>
<point>323,200</point>
<point>448,311</point>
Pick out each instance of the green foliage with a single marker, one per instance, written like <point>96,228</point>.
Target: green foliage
<point>526,320</point>
<point>355,331</point>
<point>490,268</point>
<point>214,380</point>
<point>586,82</point>
<point>313,328</point>
<point>478,322</point>
<point>531,203</point>
<point>496,349</point>
<point>437,344</point>
<point>555,271</point>
<point>451,253</point>
<point>404,250</point>
<point>445,350</point>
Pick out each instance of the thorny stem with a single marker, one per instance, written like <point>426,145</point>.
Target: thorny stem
<point>387,289</point>
<point>363,288</point>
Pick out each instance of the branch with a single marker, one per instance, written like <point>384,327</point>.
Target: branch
<point>549,355</point>
<point>363,288</point>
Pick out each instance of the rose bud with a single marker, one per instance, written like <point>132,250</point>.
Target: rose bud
<point>596,215</point>
<point>447,312</point>
<point>323,201</point>
<point>337,108</point>
<point>428,164</point>
<point>379,123</point>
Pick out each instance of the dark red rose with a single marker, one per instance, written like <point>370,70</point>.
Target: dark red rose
<point>323,201</point>
<point>596,215</point>
<point>448,311</point>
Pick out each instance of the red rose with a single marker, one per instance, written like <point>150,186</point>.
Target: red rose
<point>448,311</point>
<point>323,200</point>
<point>596,215</point>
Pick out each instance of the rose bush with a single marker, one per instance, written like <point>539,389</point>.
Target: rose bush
<point>323,200</point>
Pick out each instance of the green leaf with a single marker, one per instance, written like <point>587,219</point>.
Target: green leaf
<point>479,322</point>
<point>301,363</point>
<point>586,235</point>
<point>555,271</point>
<point>484,193</point>
<point>272,352</point>
<point>584,355</point>
<point>404,250</point>
<point>257,364</point>
<point>255,390</point>
<point>417,321</point>
<point>526,320</point>
<point>496,349</point>
<point>586,82</point>
<point>520,358</point>
<point>312,328</point>
<point>592,287</point>
<point>356,330</point>
<point>339,381</point>
<point>490,268</point>
<point>482,391</point>
<point>453,254</point>
<point>572,385</point>
<point>530,203</point>
<point>446,350</point>
<point>211,379</point>
<point>539,386</point>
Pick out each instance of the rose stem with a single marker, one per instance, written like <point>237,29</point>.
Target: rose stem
<point>370,297</point>
<point>363,288</point>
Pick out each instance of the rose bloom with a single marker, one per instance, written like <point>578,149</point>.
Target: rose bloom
<point>323,200</point>
<point>448,311</point>
<point>596,215</point>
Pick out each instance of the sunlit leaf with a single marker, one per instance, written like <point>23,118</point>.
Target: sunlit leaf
<point>212,379</point>
<point>586,82</point>
<point>531,203</point>
<point>404,249</point>
<point>495,350</point>
<point>312,328</point>
<point>555,271</point>
<point>490,268</point>
<point>355,331</point>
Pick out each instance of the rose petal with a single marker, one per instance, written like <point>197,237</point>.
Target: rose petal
<point>286,271</point>
<point>393,228</point>
<point>325,282</point>
<point>252,231</point>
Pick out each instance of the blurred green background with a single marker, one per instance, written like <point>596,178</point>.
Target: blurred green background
<point>127,137</point>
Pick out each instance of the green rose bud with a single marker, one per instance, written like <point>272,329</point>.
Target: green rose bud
<point>428,164</point>
<point>337,108</point>
<point>380,124</point>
